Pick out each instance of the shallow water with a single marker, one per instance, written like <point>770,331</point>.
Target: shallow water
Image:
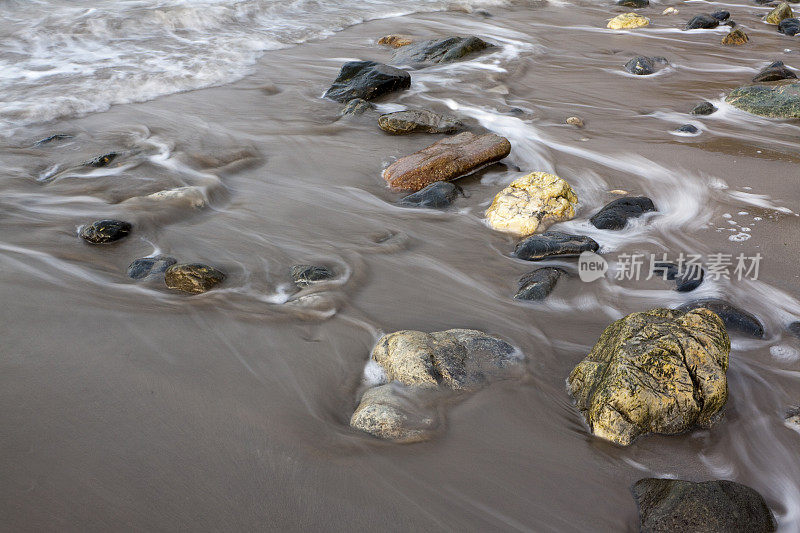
<point>130,407</point>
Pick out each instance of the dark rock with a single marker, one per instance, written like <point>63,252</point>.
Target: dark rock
<point>147,266</point>
<point>356,106</point>
<point>790,26</point>
<point>774,101</point>
<point>538,284</point>
<point>633,3</point>
<point>668,505</point>
<point>687,278</point>
<point>721,15</point>
<point>418,121</point>
<point>193,278</point>
<point>105,231</point>
<point>702,22</point>
<point>774,72</point>
<point>552,244</point>
<point>439,50</point>
<point>615,214</point>
<point>305,275</point>
<point>734,318</point>
<point>703,108</point>
<point>640,65</point>
<point>688,128</point>
<point>55,137</point>
<point>794,328</point>
<point>367,80</point>
<point>102,160</point>
<point>436,195</point>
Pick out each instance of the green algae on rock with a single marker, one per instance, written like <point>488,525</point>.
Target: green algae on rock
<point>194,278</point>
<point>783,11</point>
<point>774,101</point>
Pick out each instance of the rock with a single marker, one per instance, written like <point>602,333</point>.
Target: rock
<point>395,40</point>
<point>439,50</point>
<point>356,106</point>
<point>190,195</point>
<point>147,266</point>
<point>445,160</point>
<point>794,328</point>
<point>670,11</point>
<point>52,138</point>
<point>436,195</point>
<point>414,121</point>
<point>640,66</point>
<point>101,160</point>
<point>615,214</point>
<point>703,108</point>
<point>734,318</point>
<point>781,101</point>
<point>702,22</point>
<point>792,419</point>
<point>532,202</point>
<point>194,278</point>
<point>456,359</point>
<point>367,80</point>
<point>390,412</point>
<point>789,27</point>
<point>306,275</point>
<point>660,371</point>
<point>783,11</point>
<point>554,244</point>
<point>633,3</point>
<point>721,15</point>
<point>688,128</point>
<point>538,284</point>
<point>667,505</point>
<point>105,231</point>
<point>628,21</point>
<point>774,72</point>
<point>575,121</point>
<point>686,277</point>
<point>735,38</point>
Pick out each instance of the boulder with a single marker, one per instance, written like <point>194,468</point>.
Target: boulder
<point>775,71</point>
<point>628,21</point>
<point>532,202</point>
<point>105,231</point>
<point>721,15</point>
<point>689,129</point>
<point>575,121</point>
<point>393,412</point>
<point>660,371</point>
<point>148,266</point>
<point>702,22</point>
<point>444,50</point>
<point>356,106</point>
<point>734,318</point>
<point>668,505</point>
<point>783,11</point>
<point>554,244</point>
<point>774,101</point>
<point>735,38</point>
<point>101,160</point>
<point>445,160</point>
<point>418,121</point>
<point>703,108</point>
<point>537,285</point>
<point>395,40</point>
<point>643,66</point>
<point>633,3</point>
<point>194,278</point>
<point>367,80</point>
<point>615,214</point>
<point>789,26</point>
<point>436,195</point>
<point>307,275</point>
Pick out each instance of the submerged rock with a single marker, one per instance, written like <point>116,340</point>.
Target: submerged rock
<point>367,80</point>
<point>538,284</point>
<point>702,22</point>
<point>794,328</point>
<point>670,11</point>
<point>575,121</point>
<point>789,26</point>
<point>445,160</point>
<point>52,138</point>
<point>414,121</point>
<point>615,214</point>
<point>775,71</point>
<point>554,244</point>
<point>721,15</point>
<point>688,128</point>
<point>148,266</point>
<point>436,195</point>
<point>734,318</point>
<point>643,66</point>
<point>703,108</point>
<point>783,11</point>
<point>392,412</point>
<point>687,277</point>
<point>395,40</point>
<point>356,106</point>
<point>735,37</point>
<point>102,160</point>
<point>661,371</point>
<point>531,202</point>
<point>105,231</point>
<point>774,101</point>
<point>190,195</point>
<point>306,275</point>
<point>633,3</point>
<point>628,21</point>
<point>439,50</point>
<point>194,278</point>
<point>668,505</point>
<point>792,419</point>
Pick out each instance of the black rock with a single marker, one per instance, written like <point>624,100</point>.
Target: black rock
<point>721,15</point>
<point>790,26</point>
<point>703,108</point>
<point>147,266</point>
<point>640,65</point>
<point>669,505</point>
<point>704,22</point>
<point>439,50</point>
<point>305,275</point>
<point>688,128</point>
<point>101,160</point>
<point>356,106</point>
<point>734,318</point>
<point>55,137</point>
<point>774,72</point>
<point>435,195</point>
<point>794,329</point>
<point>687,278</point>
<point>367,80</point>
<point>105,231</point>
<point>554,243</point>
<point>616,214</point>
<point>633,3</point>
<point>538,284</point>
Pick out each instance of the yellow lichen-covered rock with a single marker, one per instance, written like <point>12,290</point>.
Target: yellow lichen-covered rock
<point>660,371</point>
<point>396,40</point>
<point>783,11</point>
<point>628,21</point>
<point>532,202</point>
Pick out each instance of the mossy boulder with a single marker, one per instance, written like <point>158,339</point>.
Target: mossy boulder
<point>735,37</point>
<point>628,21</point>
<point>444,50</point>
<point>783,11</point>
<point>194,278</point>
<point>781,101</point>
<point>418,121</point>
<point>661,371</point>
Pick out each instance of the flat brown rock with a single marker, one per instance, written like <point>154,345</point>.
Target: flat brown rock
<point>446,160</point>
